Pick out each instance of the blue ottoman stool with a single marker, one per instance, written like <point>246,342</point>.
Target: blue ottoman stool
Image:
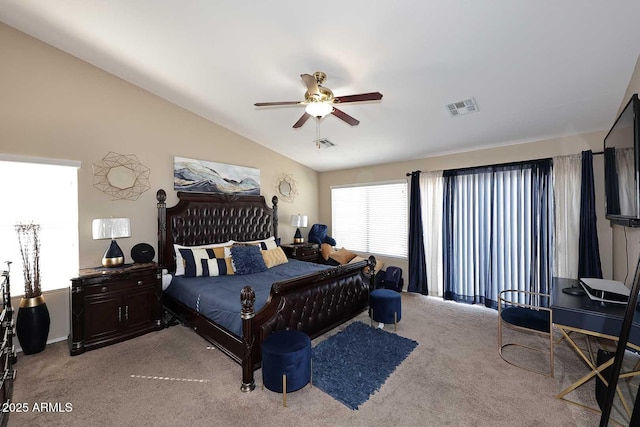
<point>286,362</point>
<point>385,306</point>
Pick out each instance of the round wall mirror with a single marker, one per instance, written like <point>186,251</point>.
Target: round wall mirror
<point>121,177</point>
<point>286,188</point>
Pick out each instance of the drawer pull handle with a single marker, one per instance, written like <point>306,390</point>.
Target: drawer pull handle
<point>126,312</point>
<point>119,314</point>
<point>139,282</point>
<point>103,289</point>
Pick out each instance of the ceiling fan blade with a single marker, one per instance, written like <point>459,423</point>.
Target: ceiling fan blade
<point>301,120</point>
<point>311,84</point>
<point>371,96</point>
<point>269,104</point>
<point>345,117</point>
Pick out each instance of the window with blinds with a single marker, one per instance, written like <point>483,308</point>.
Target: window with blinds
<point>371,218</point>
<point>45,194</point>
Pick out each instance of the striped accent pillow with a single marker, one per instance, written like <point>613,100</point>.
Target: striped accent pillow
<point>206,262</point>
<point>180,262</point>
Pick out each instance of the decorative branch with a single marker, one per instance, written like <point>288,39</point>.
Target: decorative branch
<point>29,240</point>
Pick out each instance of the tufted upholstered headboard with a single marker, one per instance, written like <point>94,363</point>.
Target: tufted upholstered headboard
<point>200,218</point>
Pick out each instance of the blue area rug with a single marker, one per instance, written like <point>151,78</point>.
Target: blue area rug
<point>353,364</point>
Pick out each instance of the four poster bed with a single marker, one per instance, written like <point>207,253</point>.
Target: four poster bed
<point>320,299</point>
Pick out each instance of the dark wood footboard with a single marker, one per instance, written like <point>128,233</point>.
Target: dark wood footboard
<point>313,304</point>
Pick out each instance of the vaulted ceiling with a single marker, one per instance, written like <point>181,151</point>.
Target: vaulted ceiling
<point>536,69</point>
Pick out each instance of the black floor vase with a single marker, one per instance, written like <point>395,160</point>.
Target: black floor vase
<point>32,325</point>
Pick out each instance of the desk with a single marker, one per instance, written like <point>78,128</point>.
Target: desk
<point>593,318</point>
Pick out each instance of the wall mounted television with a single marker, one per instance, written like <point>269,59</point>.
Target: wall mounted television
<point>622,166</point>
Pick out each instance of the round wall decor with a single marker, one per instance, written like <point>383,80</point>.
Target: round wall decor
<point>286,188</point>
<point>122,177</point>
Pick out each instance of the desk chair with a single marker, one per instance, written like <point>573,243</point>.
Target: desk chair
<point>528,317</point>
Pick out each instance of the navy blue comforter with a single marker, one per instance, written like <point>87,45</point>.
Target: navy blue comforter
<point>218,298</point>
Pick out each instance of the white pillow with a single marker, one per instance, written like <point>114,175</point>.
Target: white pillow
<point>180,260</point>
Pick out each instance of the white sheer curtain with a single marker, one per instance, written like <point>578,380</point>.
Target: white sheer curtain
<point>567,179</point>
<point>431,196</point>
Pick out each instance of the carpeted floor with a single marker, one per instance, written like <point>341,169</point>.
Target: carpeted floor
<point>454,377</point>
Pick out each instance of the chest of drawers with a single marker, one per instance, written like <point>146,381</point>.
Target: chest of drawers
<point>7,349</point>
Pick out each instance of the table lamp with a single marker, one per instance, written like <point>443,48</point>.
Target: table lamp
<point>298,221</point>
<point>112,228</point>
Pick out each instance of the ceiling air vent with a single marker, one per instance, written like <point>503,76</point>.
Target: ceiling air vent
<point>462,107</point>
<point>324,143</point>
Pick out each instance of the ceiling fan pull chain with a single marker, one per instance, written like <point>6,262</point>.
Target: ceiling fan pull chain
<point>317,132</point>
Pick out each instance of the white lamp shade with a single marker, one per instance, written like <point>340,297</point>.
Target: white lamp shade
<point>318,109</point>
<point>299,220</point>
<point>111,228</point>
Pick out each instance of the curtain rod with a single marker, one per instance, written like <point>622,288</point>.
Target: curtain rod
<point>595,153</point>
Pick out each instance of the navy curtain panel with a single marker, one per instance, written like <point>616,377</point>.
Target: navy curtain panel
<point>497,231</point>
<point>417,263</point>
<point>589,253</point>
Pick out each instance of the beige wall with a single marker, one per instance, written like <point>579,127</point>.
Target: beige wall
<point>54,105</point>
<point>526,151</point>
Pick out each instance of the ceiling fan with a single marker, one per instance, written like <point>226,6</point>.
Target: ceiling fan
<point>320,101</point>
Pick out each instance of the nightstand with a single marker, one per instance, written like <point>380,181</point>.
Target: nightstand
<point>109,305</point>
<point>309,252</point>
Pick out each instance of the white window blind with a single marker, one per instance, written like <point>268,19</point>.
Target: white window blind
<point>45,194</point>
<point>371,218</point>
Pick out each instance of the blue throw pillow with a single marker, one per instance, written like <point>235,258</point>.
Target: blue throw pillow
<point>248,259</point>
<point>317,233</point>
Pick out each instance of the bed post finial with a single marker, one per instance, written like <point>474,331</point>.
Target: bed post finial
<point>274,202</point>
<point>161,196</point>
<point>372,272</point>
<point>247,313</point>
<point>247,299</point>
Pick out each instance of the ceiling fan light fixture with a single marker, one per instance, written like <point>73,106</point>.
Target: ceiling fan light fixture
<point>319,101</point>
<point>319,109</point>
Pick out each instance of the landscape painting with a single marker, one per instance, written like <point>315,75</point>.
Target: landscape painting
<point>210,177</point>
